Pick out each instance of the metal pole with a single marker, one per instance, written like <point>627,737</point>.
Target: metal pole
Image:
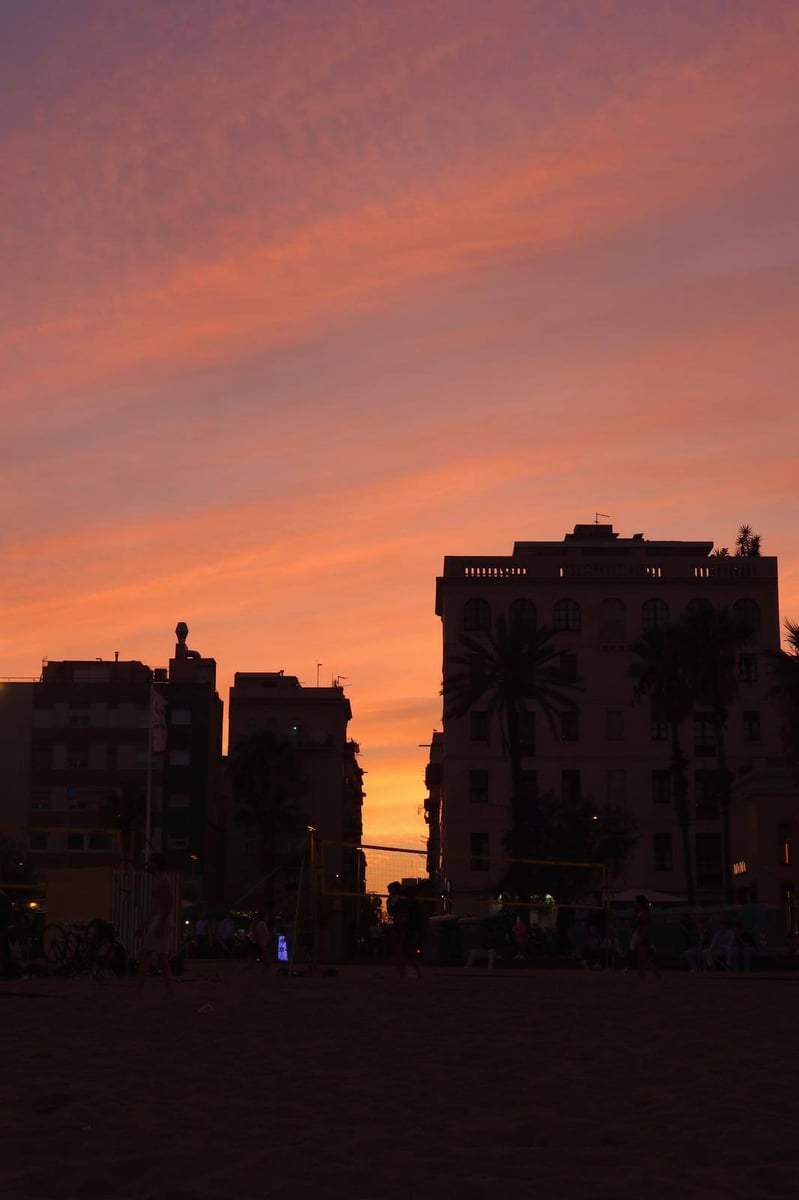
<point>148,816</point>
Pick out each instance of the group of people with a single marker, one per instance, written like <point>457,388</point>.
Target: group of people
<point>731,948</point>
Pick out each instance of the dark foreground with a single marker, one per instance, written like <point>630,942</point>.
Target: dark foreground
<point>458,1087</point>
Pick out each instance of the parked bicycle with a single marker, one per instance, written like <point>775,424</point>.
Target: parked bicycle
<point>90,949</point>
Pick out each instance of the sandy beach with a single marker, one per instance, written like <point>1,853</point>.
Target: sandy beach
<point>463,1085</point>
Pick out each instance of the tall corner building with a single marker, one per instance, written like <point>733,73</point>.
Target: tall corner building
<point>598,592</point>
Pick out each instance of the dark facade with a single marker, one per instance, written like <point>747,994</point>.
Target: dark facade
<point>598,593</point>
<point>89,742</point>
<point>193,812</point>
<point>315,721</point>
<point>77,761</point>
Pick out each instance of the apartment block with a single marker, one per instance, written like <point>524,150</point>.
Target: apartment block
<point>598,592</point>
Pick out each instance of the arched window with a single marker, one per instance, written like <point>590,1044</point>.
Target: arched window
<point>477,616</point>
<point>698,609</point>
<point>566,616</point>
<point>612,625</point>
<point>747,614</point>
<point>523,612</point>
<point>654,614</point>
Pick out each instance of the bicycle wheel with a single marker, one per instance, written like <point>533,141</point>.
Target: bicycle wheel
<point>54,945</point>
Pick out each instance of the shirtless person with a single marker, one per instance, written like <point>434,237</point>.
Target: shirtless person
<point>157,932</point>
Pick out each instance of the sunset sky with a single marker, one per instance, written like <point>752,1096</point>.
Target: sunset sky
<point>299,296</point>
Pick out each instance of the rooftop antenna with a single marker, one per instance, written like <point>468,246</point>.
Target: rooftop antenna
<point>318,665</point>
<point>598,515</point>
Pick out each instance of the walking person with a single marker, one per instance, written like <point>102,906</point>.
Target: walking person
<point>641,940</point>
<point>417,927</point>
<point>258,941</point>
<point>398,910</point>
<point>158,929</point>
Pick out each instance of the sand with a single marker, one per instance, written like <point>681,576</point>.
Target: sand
<point>463,1085</point>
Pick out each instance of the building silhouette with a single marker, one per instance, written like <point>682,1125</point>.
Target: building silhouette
<point>599,592</point>
<point>78,761</point>
<point>313,720</point>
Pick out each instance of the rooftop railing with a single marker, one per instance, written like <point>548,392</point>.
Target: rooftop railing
<point>718,570</point>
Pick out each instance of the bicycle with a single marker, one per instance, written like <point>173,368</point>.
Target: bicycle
<point>90,949</point>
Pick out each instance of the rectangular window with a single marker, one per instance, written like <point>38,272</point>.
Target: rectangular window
<point>751,726</point>
<point>747,668</point>
<point>180,716</point>
<point>479,726</point>
<point>38,841</point>
<point>527,732</point>
<point>530,786</point>
<point>478,787</point>
<point>78,758</point>
<point>662,852</point>
<point>661,787</point>
<point>179,758</point>
<point>101,841</point>
<point>78,720</point>
<point>178,800</point>
<point>708,859</point>
<point>617,787</point>
<point>570,726</point>
<point>74,798</point>
<point>614,725</point>
<point>178,843</point>
<point>706,795</point>
<point>40,798</point>
<point>570,787</point>
<point>659,731</point>
<point>479,856</point>
<point>75,841</point>
<point>704,734</point>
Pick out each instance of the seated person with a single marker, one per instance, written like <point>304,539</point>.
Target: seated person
<point>721,951</point>
<point>485,952</point>
<point>743,948</point>
<point>696,942</point>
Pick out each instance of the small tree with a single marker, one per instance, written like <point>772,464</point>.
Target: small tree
<point>579,830</point>
<point>747,545</point>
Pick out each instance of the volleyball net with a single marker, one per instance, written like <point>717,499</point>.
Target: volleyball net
<point>475,884</point>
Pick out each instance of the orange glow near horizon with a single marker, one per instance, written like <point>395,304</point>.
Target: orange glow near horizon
<point>300,298</point>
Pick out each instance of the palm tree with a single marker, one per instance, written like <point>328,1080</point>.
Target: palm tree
<point>713,637</point>
<point>785,692</point>
<point>512,671</point>
<point>747,543</point>
<point>661,674</point>
<point>267,783</point>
